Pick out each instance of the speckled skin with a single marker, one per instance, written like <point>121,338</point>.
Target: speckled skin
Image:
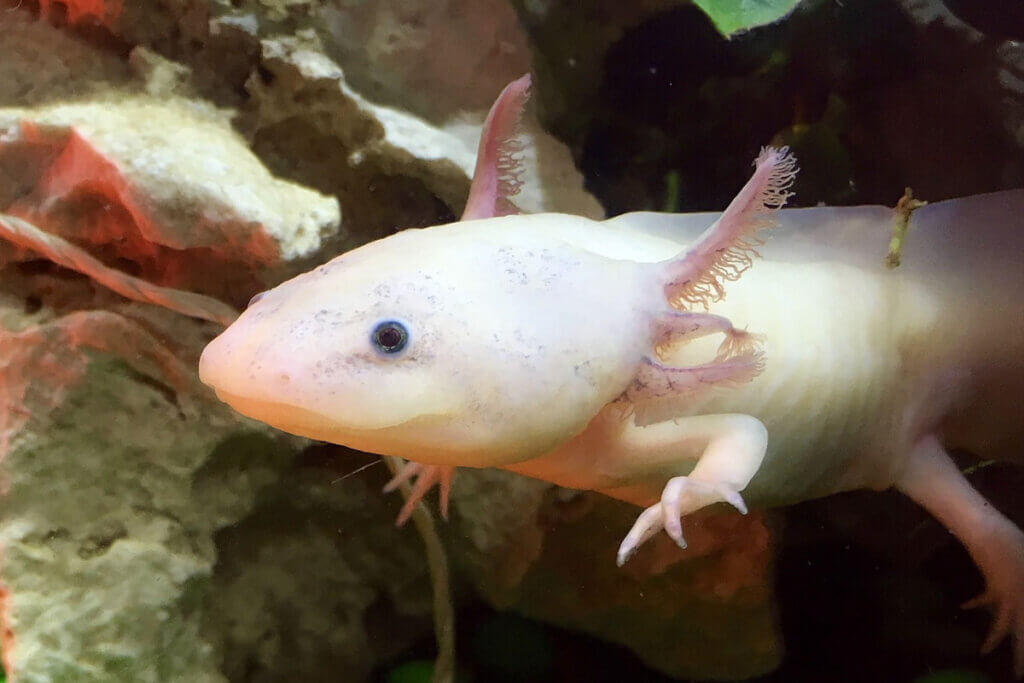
<point>831,394</point>
<point>861,360</point>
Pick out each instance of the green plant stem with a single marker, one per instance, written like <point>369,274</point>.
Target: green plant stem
<point>437,563</point>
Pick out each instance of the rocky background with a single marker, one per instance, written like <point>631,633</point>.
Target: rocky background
<point>150,534</point>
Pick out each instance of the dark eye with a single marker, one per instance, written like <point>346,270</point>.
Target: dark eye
<point>390,336</point>
<point>254,299</point>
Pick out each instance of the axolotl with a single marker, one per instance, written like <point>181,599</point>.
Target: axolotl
<point>605,355</point>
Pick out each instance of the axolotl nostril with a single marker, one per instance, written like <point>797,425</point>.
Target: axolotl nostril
<point>607,356</point>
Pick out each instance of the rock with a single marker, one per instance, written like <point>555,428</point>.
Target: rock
<point>445,62</point>
<point>161,77</point>
<point>178,190</point>
<point>1011,81</point>
<point>981,75</point>
<point>384,162</point>
<point>389,167</point>
<point>317,580</point>
<point>434,58</point>
<point>107,553</point>
<point>456,58</point>
<point>40,63</point>
<point>549,554</point>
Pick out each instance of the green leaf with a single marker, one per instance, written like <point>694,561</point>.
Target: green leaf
<point>415,671</point>
<point>953,676</point>
<point>731,16</point>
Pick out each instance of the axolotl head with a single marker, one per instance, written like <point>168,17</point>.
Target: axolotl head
<point>468,344</point>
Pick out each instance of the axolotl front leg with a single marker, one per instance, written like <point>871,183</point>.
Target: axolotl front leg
<point>694,461</point>
<point>728,448</point>
<point>699,461</point>
<point>731,450</point>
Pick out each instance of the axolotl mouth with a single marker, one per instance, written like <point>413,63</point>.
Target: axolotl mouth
<point>404,438</point>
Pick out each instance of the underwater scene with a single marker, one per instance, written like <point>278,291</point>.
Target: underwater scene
<point>511,341</point>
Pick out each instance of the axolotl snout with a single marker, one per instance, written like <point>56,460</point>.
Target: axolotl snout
<point>606,356</point>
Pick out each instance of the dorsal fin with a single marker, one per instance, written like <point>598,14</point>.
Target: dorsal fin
<point>498,173</point>
<point>727,248</point>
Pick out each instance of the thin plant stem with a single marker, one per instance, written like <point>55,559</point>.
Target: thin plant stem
<point>437,563</point>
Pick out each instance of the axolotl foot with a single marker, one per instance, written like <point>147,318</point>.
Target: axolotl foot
<point>1001,560</point>
<point>730,446</point>
<point>426,477</point>
<point>994,542</point>
<point>681,496</point>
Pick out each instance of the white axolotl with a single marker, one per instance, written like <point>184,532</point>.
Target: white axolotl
<point>563,348</point>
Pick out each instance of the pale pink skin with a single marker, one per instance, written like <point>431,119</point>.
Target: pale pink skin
<point>861,399</point>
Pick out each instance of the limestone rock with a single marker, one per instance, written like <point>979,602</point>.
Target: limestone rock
<point>41,63</point>
<point>389,167</point>
<point>445,61</point>
<point>107,556</point>
<point>175,183</point>
<point>549,554</point>
<point>455,58</point>
<point>435,58</point>
<point>1011,80</point>
<point>317,580</point>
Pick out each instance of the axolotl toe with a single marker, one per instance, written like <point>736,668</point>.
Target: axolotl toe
<point>605,355</point>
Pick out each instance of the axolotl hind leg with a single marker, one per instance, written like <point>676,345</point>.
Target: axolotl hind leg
<point>933,481</point>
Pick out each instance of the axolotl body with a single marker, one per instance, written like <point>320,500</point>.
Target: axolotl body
<point>605,355</point>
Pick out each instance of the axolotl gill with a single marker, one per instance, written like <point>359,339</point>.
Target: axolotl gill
<point>628,356</point>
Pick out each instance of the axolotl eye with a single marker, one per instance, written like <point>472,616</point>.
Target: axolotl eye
<point>390,336</point>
